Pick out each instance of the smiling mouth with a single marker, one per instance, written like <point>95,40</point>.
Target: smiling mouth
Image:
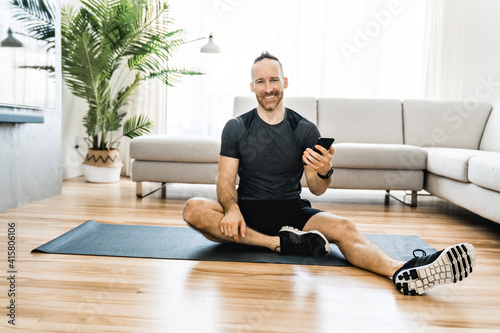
<point>269,97</point>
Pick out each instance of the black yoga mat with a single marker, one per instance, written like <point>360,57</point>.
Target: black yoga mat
<point>118,240</point>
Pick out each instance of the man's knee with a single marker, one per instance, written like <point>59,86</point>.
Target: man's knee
<point>348,224</point>
<point>199,212</point>
<point>191,211</point>
<point>342,223</point>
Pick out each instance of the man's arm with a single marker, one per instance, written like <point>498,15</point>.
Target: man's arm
<point>232,224</point>
<point>317,163</point>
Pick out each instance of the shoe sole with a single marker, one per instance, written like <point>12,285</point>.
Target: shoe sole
<point>300,232</point>
<point>453,264</point>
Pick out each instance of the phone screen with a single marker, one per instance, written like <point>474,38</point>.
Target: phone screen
<point>324,142</point>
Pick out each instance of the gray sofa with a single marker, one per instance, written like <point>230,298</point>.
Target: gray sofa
<point>449,148</point>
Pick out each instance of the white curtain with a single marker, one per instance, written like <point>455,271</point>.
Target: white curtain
<point>328,48</point>
<point>148,100</point>
<point>340,48</point>
<point>443,50</point>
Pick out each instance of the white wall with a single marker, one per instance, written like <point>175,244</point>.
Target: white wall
<point>73,110</point>
<point>73,132</point>
<point>481,58</point>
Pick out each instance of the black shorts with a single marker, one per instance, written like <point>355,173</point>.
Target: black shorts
<point>269,216</point>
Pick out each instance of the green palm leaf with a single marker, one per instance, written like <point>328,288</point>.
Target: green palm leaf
<point>172,75</point>
<point>123,95</point>
<point>50,69</point>
<point>137,126</point>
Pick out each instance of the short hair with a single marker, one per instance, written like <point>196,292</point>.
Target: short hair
<point>267,55</point>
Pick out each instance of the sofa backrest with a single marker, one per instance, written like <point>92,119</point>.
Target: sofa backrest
<point>305,106</point>
<point>491,135</point>
<point>361,120</point>
<point>449,124</point>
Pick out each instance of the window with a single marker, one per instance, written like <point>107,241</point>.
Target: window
<point>24,86</point>
<point>328,48</point>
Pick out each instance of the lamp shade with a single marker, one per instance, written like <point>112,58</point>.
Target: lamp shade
<point>210,47</point>
<point>10,41</point>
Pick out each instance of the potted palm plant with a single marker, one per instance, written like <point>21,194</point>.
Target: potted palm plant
<point>108,48</point>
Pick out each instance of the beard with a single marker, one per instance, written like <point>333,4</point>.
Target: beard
<point>273,104</point>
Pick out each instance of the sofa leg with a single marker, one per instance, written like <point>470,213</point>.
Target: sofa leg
<point>140,194</point>
<point>138,189</point>
<point>412,203</point>
<point>387,197</point>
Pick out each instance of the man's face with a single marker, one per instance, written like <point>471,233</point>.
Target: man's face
<point>268,84</point>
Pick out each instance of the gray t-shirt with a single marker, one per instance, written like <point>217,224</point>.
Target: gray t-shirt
<point>270,156</point>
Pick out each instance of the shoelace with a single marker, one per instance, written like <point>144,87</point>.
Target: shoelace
<point>421,251</point>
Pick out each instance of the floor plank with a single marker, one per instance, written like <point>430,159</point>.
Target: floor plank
<point>64,293</point>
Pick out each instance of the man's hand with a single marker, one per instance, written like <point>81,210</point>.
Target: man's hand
<point>233,224</point>
<point>321,163</point>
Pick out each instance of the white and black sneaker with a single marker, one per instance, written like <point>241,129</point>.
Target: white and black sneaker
<point>450,265</point>
<point>309,243</point>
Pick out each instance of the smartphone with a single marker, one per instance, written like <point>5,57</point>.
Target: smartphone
<point>323,142</point>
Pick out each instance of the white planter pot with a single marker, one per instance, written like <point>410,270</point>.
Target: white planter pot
<point>102,166</point>
<point>95,174</point>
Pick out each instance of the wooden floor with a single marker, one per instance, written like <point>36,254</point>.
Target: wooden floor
<point>62,293</point>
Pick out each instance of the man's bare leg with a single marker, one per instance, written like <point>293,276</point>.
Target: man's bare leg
<point>357,249</point>
<point>205,215</point>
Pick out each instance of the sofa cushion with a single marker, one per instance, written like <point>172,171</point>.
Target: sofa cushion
<point>444,124</point>
<point>305,106</point>
<point>484,170</point>
<point>451,162</point>
<point>373,179</point>
<point>491,135</point>
<point>174,172</point>
<point>379,156</point>
<point>361,120</point>
<point>175,149</point>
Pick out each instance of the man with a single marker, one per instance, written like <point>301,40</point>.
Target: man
<point>270,148</point>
